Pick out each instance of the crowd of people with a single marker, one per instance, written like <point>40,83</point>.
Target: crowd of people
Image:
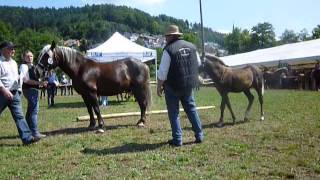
<point>180,62</point>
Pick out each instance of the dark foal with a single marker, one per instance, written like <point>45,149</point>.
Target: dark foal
<point>229,79</point>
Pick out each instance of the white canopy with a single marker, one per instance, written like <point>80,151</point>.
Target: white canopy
<point>118,47</point>
<point>296,53</point>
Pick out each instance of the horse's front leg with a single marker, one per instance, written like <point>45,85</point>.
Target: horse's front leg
<point>96,109</point>
<point>89,108</point>
<point>222,107</point>
<point>230,109</point>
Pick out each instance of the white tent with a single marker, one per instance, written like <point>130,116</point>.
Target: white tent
<point>118,47</point>
<point>296,53</point>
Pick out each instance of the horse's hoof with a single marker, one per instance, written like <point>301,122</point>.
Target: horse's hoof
<point>219,125</point>
<point>262,118</point>
<point>140,124</point>
<point>100,131</point>
<point>90,127</point>
<point>245,119</point>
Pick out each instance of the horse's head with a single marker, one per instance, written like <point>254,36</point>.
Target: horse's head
<point>46,60</point>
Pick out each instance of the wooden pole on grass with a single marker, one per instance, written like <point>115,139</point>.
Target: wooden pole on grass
<point>105,116</point>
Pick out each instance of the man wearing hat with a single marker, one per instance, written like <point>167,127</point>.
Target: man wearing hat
<point>177,77</point>
<point>10,90</point>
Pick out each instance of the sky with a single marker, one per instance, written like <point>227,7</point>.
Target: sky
<point>219,15</point>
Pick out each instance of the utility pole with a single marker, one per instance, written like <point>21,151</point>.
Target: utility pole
<point>202,36</point>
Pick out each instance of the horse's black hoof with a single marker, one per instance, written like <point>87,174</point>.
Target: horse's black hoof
<point>219,125</point>
<point>91,126</point>
<point>100,126</point>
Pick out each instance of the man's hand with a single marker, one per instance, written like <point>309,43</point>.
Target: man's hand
<point>43,84</point>
<point>160,88</point>
<point>6,93</point>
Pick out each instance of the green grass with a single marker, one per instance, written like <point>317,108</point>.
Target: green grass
<point>285,145</point>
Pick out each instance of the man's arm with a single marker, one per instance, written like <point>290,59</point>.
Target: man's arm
<point>163,72</point>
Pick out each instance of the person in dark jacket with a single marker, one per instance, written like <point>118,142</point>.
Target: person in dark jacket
<point>178,77</point>
<point>30,90</point>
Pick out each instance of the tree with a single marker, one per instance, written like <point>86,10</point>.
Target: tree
<point>289,36</point>
<point>232,41</point>
<point>245,41</point>
<point>303,35</point>
<point>5,32</point>
<point>193,38</point>
<point>263,36</point>
<point>316,32</point>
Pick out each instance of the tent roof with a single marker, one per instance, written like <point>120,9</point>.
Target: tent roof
<point>300,52</point>
<point>119,44</point>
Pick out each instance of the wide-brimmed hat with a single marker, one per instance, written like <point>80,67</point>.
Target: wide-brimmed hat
<point>7,44</point>
<point>173,30</point>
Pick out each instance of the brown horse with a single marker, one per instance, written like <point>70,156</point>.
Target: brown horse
<point>91,79</point>
<point>274,79</point>
<point>229,79</point>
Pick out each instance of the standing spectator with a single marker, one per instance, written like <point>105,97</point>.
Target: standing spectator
<point>70,89</point>
<point>52,86</point>
<point>64,84</point>
<point>178,76</point>
<point>30,88</point>
<point>104,101</point>
<point>10,91</point>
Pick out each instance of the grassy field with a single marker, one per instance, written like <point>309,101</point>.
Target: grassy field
<point>285,145</point>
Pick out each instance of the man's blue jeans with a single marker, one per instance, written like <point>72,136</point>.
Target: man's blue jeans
<point>32,96</point>
<point>188,102</point>
<point>17,114</point>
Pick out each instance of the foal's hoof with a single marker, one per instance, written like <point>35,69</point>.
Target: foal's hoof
<point>140,124</point>
<point>100,131</point>
<point>219,125</point>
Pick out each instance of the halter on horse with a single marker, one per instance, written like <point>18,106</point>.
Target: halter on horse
<point>91,78</point>
<point>228,79</point>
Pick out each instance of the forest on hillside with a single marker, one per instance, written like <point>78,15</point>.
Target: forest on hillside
<point>32,28</point>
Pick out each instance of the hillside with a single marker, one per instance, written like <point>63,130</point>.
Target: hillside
<point>94,23</point>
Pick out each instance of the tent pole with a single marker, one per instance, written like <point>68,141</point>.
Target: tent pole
<point>156,63</point>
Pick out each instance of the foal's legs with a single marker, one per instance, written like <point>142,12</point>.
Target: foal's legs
<point>225,101</point>
<point>222,107</point>
<point>230,109</point>
<point>250,99</point>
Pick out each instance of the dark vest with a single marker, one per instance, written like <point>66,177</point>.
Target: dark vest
<point>183,71</point>
<point>32,76</point>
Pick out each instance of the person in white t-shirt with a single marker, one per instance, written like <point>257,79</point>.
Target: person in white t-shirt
<point>10,90</point>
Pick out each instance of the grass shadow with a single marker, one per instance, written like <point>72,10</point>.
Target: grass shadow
<point>67,131</point>
<point>127,148</point>
<point>78,130</point>
<point>9,137</point>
